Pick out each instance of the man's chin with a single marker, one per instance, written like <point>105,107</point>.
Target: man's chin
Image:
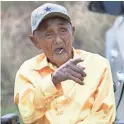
<point>60,60</point>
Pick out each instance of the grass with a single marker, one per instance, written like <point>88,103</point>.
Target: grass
<point>12,109</point>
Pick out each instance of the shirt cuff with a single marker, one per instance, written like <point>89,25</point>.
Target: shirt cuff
<point>48,88</point>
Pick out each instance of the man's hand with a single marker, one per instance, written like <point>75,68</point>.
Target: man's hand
<point>69,71</point>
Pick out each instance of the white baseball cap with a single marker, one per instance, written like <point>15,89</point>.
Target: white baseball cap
<point>46,11</point>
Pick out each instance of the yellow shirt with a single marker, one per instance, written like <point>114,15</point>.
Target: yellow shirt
<point>40,102</point>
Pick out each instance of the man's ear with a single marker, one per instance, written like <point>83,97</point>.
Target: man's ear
<point>34,41</point>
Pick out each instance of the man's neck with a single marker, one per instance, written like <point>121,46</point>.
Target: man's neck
<point>72,55</point>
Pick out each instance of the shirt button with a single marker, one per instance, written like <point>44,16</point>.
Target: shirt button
<point>61,113</point>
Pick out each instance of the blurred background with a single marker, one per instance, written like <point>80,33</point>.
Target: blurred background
<point>91,28</point>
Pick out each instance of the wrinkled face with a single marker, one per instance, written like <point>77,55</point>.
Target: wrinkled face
<point>54,36</point>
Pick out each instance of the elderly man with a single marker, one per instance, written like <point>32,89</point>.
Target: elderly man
<point>62,85</point>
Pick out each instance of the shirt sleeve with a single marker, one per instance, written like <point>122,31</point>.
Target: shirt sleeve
<point>103,110</point>
<point>32,94</point>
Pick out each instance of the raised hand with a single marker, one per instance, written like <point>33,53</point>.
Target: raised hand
<point>69,71</point>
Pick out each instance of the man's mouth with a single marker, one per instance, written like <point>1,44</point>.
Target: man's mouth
<point>59,50</point>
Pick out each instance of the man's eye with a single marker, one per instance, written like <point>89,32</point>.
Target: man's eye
<point>48,35</point>
<point>63,29</point>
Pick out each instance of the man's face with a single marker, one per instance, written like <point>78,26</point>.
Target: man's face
<point>54,36</point>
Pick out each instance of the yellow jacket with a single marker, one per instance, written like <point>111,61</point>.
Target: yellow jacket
<point>40,102</point>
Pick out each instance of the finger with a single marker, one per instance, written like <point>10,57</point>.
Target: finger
<point>82,70</point>
<point>75,74</point>
<point>77,80</point>
<point>77,69</point>
<point>77,60</point>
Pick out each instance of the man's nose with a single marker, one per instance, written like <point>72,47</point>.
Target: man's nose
<point>58,40</point>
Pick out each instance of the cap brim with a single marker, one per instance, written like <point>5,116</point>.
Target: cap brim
<point>54,14</point>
